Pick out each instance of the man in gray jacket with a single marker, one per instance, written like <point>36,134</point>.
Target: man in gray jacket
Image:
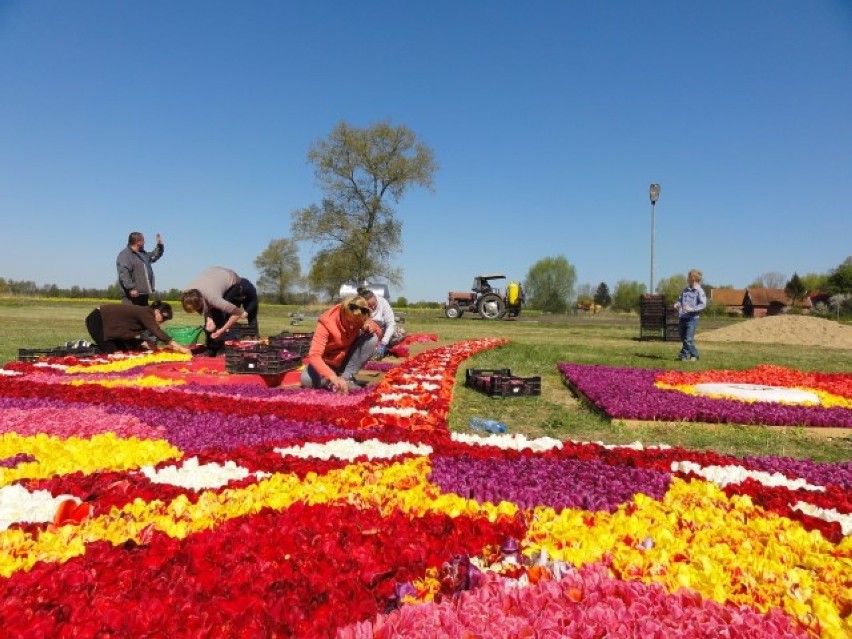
<point>135,275</point>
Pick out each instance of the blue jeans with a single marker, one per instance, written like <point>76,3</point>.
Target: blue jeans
<point>687,326</point>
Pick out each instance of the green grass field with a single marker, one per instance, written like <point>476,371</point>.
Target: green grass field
<point>537,343</point>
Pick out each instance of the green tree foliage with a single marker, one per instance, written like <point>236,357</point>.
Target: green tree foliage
<point>814,281</point>
<point>627,295</point>
<point>171,294</point>
<point>362,173</point>
<point>671,287</point>
<point>329,269</point>
<point>22,287</point>
<point>840,280</point>
<point>795,289</point>
<point>602,296</point>
<point>549,284</point>
<point>279,268</point>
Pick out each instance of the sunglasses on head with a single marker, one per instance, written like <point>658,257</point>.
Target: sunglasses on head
<point>359,309</point>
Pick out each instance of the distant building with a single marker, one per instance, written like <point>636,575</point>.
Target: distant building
<point>760,302</point>
<point>819,297</point>
<point>732,299</point>
<point>756,302</point>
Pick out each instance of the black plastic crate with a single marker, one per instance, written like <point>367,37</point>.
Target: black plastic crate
<point>471,375</point>
<point>242,331</point>
<point>655,318</point>
<point>36,354</point>
<point>298,343</point>
<point>501,383</point>
<point>259,359</point>
<point>514,386</point>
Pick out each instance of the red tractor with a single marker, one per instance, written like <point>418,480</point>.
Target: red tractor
<point>489,302</point>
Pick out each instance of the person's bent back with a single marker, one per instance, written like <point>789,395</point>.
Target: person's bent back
<point>120,327</point>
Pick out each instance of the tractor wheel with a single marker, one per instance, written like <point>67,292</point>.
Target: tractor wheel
<point>491,307</point>
<point>453,311</point>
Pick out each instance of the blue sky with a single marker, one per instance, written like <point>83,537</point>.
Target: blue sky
<point>548,120</point>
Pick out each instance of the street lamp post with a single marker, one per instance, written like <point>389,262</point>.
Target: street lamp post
<point>655,195</point>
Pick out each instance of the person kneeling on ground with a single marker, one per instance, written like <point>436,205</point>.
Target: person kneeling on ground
<point>120,327</point>
<point>218,294</point>
<point>344,339</point>
<point>382,314</point>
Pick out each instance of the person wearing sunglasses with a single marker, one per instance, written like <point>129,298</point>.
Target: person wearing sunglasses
<point>344,340</point>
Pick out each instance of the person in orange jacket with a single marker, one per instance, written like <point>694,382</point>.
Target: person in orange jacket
<point>344,340</point>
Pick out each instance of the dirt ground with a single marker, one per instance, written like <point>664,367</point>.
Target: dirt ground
<point>798,330</point>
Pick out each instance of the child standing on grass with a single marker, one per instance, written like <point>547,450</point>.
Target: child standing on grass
<point>689,305</point>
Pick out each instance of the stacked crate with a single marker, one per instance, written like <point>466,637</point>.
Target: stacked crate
<point>652,317</point>
<point>501,383</point>
<point>273,356</point>
<point>243,331</point>
<point>298,343</point>
<point>672,325</point>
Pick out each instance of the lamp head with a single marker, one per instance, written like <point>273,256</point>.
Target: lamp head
<point>655,193</point>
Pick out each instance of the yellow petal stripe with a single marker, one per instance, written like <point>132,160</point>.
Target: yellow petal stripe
<point>125,363</point>
<point>58,456</point>
<point>698,534</point>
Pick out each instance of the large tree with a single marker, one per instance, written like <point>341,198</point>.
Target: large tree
<point>362,174</point>
<point>840,280</point>
<point>329,269</point>
<point>627,295</point>
<point>671,287</point>
<point>795,289</point>
<point>814,282</point>
<point>279,268</point>
<point>549,284</point>
<point>602,296</point>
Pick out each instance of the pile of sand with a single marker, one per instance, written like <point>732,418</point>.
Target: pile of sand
<point>798,330</point>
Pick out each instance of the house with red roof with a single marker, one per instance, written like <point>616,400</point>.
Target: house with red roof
<point>760,302</point>
<point>732,299</point>
<point>757,302</point>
